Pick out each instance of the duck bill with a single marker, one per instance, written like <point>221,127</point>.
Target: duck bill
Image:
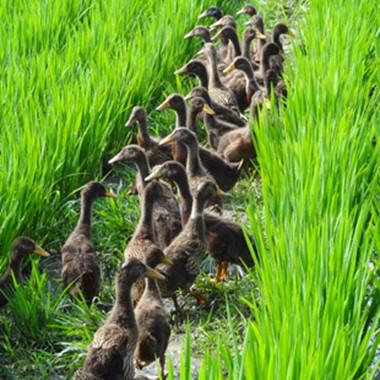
<point>167,260</point>
<point>203,15</point>
<point>219,192</point>
<point>241,12</point>
<point>292,33</point>
<point>163,106</point>
<point>216,36</point>
<point>111,194</point>
<point>181,71</point>
<point>267,103</point>
<point>188,96</point>
<point>249,22</point>
<point>154,174</point>
<point>260,36</point>
<point>215,26</point>
<point>153,274</point>
<point>130,122</point>
<point>208,109</point>
<point>116,158</point>
<point>167,140</point>
<point>38,250</point>
<point>229,68</point>
<point>189,35</point>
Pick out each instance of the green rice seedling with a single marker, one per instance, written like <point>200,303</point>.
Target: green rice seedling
<point>33,307</point>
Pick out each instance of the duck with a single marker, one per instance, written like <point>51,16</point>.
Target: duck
<point>213,11</point>
<point>197,68</point>
<point>248,10</point>
<point>221,112</point>
<point>21,248</point>
<point>269,50</point>
<point>250,34</point>
<point>245,83</point>
<point>177,103</point>
<point>80,268</point>
<point>225,239</point>
<point>110,354</point>
<point>214,128</point>
<point>223,173</point>
<point>166,218</point>
<point>258,23</point>
<point>217,14</point>
<point>188,250</point>
<point>194,167</point>
<point>229,34</point>
<point>156,154</point>
<point>152,321</point>
<point>217,90</point>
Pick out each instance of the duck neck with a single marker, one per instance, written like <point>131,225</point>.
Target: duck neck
<point>123,306</point>
<point>197,209</point>
<point>145,223</point>
<point>14,266</point>
<point>143,133</point>
<point>214,80</point>
<point>276,39</point>
<point>251,84</point>
<point>192,119</point>
<point>186,200</point>
<point>247,48</point>
<point>143,168</point>
<point>84,221</point>
<point>235,42</point>
<point>202,75</point>
<point>193,162</point>
<point>181,114</point>
<point>264,65</point>
<point>152,288</point>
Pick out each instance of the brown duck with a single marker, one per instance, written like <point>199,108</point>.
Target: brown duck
<point>225,239</point>
<point>166,218</point>
<point>188,250</point>
<point>110,355</point>
<point>22,247</point>
<point>156,154</point>
<point>79,263</point>
<point>225,173</point>
<point>152,321</point>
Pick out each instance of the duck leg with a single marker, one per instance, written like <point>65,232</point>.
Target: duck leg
<point>216,279</point>
<point>162,364</point>
<point>176,304</point>
<point>223,274</point>
<point>199,296</point>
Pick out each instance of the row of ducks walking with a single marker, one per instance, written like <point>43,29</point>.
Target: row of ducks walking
<point>175,233</point>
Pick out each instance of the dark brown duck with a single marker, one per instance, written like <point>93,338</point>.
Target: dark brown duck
<point>80,267</point>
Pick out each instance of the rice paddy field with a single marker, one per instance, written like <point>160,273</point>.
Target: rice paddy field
<point>72,70</point>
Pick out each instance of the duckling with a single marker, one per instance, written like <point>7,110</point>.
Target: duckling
<point>79,264</point>
<point>156,154</point>
<point>217,90</point>
<point>110,355</point>
<point>152,322</point>
<point>187,251</point>
<point>225,239</point>
<point>166,218</point>
<point>21,248</point>
<point>221,112</point>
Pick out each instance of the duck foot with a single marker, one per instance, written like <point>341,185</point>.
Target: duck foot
<point>221,272</point>
<point>199,296</point>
